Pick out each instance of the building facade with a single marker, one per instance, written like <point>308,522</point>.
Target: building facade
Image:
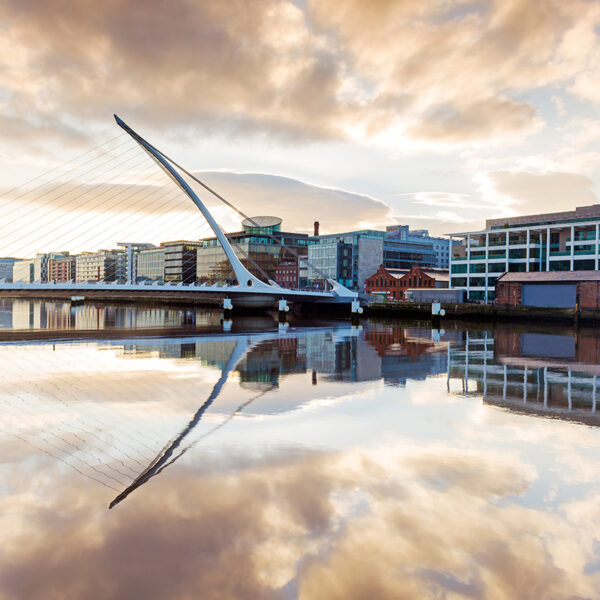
<point>259,248</point>
<point>150,265</point>
<point>329,259</point>
<point>132,250</point>
<point>286,274</point>
<point>181,260</point>
<point>6,268</point>
<point>40,264</point>
<point>396,248</point>
<point>104,265</point>
<point>561,241</point>
<point>61,270</point>
<point>555,289</point>
<point>403,248</point>
<point>23,270</point>
<point>353,256</point>
<point>391,284</point>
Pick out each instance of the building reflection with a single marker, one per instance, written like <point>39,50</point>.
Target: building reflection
<point>59,315</point>
<point>345,354</point>
<point>549,374</point>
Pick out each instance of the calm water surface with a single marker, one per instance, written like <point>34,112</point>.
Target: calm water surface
<point>380,461</point>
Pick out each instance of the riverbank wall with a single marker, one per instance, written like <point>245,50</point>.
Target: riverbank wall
<point>485,313</point>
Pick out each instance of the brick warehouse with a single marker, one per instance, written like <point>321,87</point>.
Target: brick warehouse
<point>394,282</point>
<point>554,289</point>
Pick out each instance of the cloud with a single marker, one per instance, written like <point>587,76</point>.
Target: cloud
<point>449,73</point>
<point>493,118</point>
<point>531,193</point>
<point>77,216</point>
<point>300,203</point>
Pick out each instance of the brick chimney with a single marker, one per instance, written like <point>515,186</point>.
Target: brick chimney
<point>316,227</point>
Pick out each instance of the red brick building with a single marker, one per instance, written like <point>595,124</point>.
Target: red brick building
<point>286,274</point>
<point>392,283</point>
<point>61,270</point>
<point>553,289</point>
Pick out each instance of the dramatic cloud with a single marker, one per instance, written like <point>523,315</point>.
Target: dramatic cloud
<point>449,72</point>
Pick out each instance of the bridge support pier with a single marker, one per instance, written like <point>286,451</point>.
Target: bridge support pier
<point>283,308</point>
<point>357,310</point>
<point>227,308</point>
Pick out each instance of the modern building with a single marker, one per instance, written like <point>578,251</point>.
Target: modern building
<point>330,258</point>
<point>286,274</point>
<point>560,241</point>
<point>131,252</point>
<point>61,270</point>
<point>259,249</point>
<point>392,283</point>
<point>365,250</point>
<point>349,257</point>
<point>556,289</point>
<point>403,248</point>
<point>104,265</point>
<point>23,270</point>
<point>181,260</point>
<point>150,265</point>
<point>40,264</point>
<point>6,268</point>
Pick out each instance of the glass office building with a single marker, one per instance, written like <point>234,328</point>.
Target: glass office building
<point>562,241</point>
<point>257,248</point>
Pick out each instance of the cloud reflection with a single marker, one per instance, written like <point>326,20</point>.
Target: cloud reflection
<point>395,521</point>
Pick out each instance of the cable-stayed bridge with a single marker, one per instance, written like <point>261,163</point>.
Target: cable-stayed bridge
<point>243,289</point>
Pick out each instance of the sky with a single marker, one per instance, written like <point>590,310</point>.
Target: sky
<point>437,114</point>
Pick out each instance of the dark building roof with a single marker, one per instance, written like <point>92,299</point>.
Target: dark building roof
<point>550,277</point>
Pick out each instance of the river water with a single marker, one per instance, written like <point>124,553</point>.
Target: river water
<point>310,461</point>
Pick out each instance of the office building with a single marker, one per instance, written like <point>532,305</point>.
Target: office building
<point>257,247</point>
<point>150,265</point>
<point>181,260</point>
<point>131,253</point>
<point>104,265</point>
<point>560,241</point>
<point>330,258</point>
<point>403,248</point>
<point>349,257</point>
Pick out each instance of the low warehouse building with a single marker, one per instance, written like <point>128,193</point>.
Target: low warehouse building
<point>554,289</point>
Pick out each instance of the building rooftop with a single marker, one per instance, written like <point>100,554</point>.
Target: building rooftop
<point>551,276</point>
<point>581,214</point>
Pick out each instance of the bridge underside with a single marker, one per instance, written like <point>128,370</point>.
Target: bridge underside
<point>185,294</point>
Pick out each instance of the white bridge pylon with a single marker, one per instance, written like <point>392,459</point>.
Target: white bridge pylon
<point>243,276</point>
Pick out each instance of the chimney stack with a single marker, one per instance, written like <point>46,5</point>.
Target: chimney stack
<point>316,228</point>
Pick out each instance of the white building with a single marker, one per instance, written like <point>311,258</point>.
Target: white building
<point>23,270</point>
<point>561,241</point>
<point>104,265</point>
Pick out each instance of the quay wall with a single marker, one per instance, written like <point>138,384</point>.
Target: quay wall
<point>483,312</point>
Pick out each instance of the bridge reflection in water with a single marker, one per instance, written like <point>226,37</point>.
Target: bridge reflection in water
<point>69,409</point>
